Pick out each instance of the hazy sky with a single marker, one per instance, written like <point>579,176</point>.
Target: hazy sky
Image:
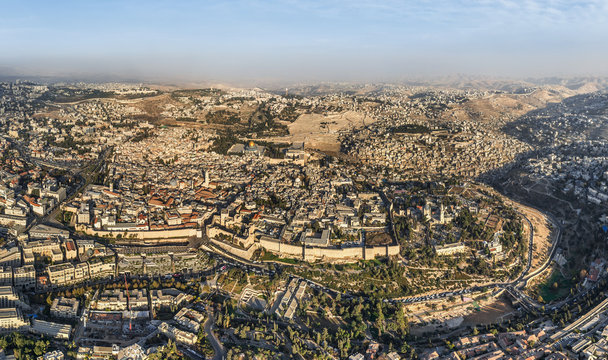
<point>333,40</point>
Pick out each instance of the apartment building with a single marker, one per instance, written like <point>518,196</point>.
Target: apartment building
<point>11,320</point>
<point>55,330</point>
<point>65,308</point>
<point>24,277</point>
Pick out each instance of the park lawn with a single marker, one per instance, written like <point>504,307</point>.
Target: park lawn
<point>549,293</point>
<point>268,256</point>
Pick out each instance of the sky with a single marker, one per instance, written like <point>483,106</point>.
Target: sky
<point>289,40</point>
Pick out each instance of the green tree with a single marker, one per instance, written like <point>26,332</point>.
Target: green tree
<point>379,319</point>
<point>401,320</point>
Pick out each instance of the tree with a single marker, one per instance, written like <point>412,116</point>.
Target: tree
<point>402,323</point>
<point>379,319</point>
<point>40,348</point>
<point>243,333</point>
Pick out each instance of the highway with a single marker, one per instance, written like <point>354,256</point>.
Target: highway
<point>515,288</point>
<point>581,320</point>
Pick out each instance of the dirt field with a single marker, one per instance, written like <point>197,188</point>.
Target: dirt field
<point>490,313</point>
<point>543,234</point>
<point>378,238</point>
<point>320,131</point>
<point>424,320</point>
<point>155,105</point>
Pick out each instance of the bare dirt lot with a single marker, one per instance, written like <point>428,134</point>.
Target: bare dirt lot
<point>320,131</point>
<point>378,238</point>
<point>458,314</point>
<point>543,234</point>
<point>490,313</point>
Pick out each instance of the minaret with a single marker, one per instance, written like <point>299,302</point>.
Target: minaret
<point>206,183</point>
<point>427,211</point>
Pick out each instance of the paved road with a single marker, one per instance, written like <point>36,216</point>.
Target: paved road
<point>220,352</point>
<point>120,280</point>
<point>512,287</point>
<point>581,320</point>
<point>49,218</point>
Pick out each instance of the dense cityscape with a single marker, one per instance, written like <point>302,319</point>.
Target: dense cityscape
<point>304,180</point>
<point>370,222</point>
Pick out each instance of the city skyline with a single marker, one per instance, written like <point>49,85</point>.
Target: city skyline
<point>346,221</point>
<point>285,179</point>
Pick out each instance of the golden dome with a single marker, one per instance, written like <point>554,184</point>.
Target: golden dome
<point>251,143</point>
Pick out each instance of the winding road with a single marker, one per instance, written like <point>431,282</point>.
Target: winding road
<point>220,352</point>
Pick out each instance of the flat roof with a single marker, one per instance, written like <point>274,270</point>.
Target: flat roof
<point>6,313</point>
<point>6,290</point>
